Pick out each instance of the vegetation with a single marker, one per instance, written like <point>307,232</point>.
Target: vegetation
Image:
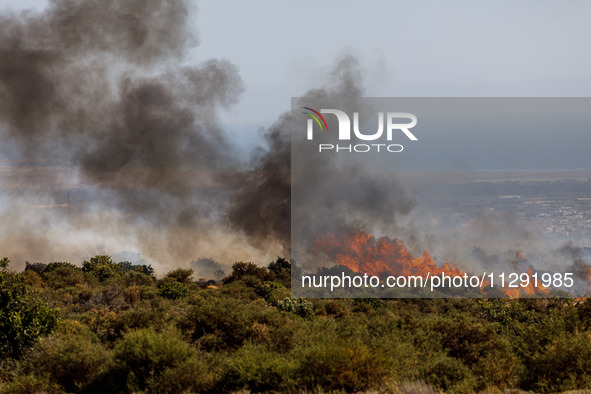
<point>114,327</point>
<point>23,316</point>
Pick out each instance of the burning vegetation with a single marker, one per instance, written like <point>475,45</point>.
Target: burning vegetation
<point>361,253</point>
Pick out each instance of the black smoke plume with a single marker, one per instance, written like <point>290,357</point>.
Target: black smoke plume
<point>261,206</point>
<point>115,144</point>
<point>99,85</point>
<point>99,88</point>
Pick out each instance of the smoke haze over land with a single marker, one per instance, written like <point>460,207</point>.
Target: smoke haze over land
<point>113,144</point>
<point>98,91</point>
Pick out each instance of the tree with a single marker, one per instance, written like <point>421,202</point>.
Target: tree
<point>159,362</point>
<point>127,266</point>
<point>241,269</point>
<point>4,264</point>
<point>181,275</point>
<point>58,265</point>
<point>102,266</point>
<point>24,318</point>
<point>144,269</point>
<point>36,267</point>
<point>172,290</point>
<point>281,269</point>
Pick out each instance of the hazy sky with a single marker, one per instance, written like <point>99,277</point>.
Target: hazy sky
<point>406,48</point>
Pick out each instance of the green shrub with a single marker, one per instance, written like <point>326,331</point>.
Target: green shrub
<point>299,306</point>
<point>157,362</point>
<point>449,374</point>
<point>181,275</point>
<point>33,279</point>
<point>276,295</point>
<point>127,266</point>
<point>281,270</point>
<point>563,364</point>
<point>35,267</point>
<point>226,324</point>
<point>173,290</point>
<point>335,308</point>
<point>110,297</point>
<point>59,264</point>
<point>24,318</point>
<point>101,266</point>
<point>241,269</point>
<point>72,361</point>
<point>240,290</point>
<point>271,292</point>
<point>60,277</point>
<point>148,292</point>
<point>511,315</point>
<point>339,364</point>
<point>258,369</point>
<point>465,340</point>
<point>136,278</point>
<point>363,303</point>
<point>142,315</point>
<point>72,296</point>
<point>31,383</point>
<point>499,370</point>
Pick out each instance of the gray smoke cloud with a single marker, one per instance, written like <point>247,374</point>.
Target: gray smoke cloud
<point>261,207</point>
<point>114,143</point>
<point>207,268</point>
<point>96,104</point>
<point>98,85</point>
<point>338,197</point>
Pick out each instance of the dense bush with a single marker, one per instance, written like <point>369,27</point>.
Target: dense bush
<point>35,267</point>
<point>102,267</point>
<point>258,368</point>
<point>59,264</point>
<point>127,266</point>
<point>299,306</point>
<point>124,331</point>
<point>241,270</point>
<point>31,383</point>
<point>60,277</point>
<point>338,363</point>
<point>181,275</point>
<point>24,317</point>
<point>172,290</point>
<point>157,362</point>
<point>71,361</point>
<point>281,270</point>
<point>562,364</point>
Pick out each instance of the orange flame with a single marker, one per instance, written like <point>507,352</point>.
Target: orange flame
<point>362,253</point>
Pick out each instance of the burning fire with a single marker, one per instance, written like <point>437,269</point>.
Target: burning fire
<point>360,252</point>
<point>383,257</point>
